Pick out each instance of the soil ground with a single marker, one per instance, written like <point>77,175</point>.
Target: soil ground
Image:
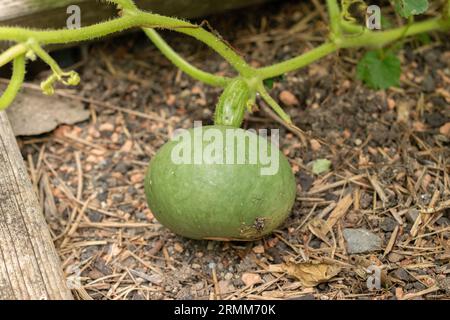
<point>389,174</point>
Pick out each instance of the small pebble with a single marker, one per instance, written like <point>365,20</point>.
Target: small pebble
<point>361,241</point>
<point>141,215</point>
<point>419,286</point>
<point>106,127</point>
<point>412,215</point>
<point>250,279</point>
<point>178,247</point>
<point>388,224</point>
<point>118,197</point>
<point>102,196</point>
<point>94,216</point>
<point>258,249</point>
<point>225,286</point>
<point>228,276</point>
<point>288,99</point>
<point>395,257</point>
<point>445,129</point>
<point>210,246</point>
<point>402,274</point>
<point>443,222</point>
<point>315,243</point>
<point>137,178</point>
<point>315,145</point>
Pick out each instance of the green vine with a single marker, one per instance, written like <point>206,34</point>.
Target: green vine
<point>14,85</point>
<point>344,33</point>
<point>182,64</point>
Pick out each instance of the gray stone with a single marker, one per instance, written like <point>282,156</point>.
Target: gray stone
<point>315,243</point>
<point>226,286</point>
<point>34,113</point>
<point>388,224</point>
<point>428,84</point>
<point>412,215</point>
<point>419,286</point>
<point>361,240</point>
<point>395,257</point>
<point>228,276</point>
<point>443,222</point>
<point>444,284</point>
<point>402,274</point>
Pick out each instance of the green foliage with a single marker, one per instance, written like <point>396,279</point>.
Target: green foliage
<point>269,83</point>
<point>424,38</point>
<point>386,23</point>
<point>379,70</point>
<point>408,8</point>
<point>320,166</point>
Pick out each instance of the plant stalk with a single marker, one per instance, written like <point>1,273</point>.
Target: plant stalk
<point>182,64</point>
<point>18,75</point>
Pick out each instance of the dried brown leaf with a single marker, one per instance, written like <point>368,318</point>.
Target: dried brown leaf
<point>311,274</point>
<point>320,229</point>
<point>341,209</point>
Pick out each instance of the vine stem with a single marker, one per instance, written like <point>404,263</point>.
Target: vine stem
<point>17,78</point>
<point>447,10</point>
<point>273,104</point>
<point>182,64</point>
<point>382,38</point>
<point>41,53</point>
<point>368,38</point>
<point>350,27</point>
<point>130,7</point>
<point>335,17</point>
<point>11,53</point>
<point>297,62</point>
<point>134,19</point>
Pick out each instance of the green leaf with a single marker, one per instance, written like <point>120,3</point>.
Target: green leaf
<point>424,38</point>
<point>379,71</point>
<point>386,23</point>
<point>269,83</point>
<point>321,165</point>
<point>408,8</point>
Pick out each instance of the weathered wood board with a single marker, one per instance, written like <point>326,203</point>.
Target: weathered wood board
<point>29,265</point>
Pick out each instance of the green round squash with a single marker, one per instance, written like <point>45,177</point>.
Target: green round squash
<point>220,183</point>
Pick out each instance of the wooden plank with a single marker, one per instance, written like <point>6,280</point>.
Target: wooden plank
<point>29,265</point>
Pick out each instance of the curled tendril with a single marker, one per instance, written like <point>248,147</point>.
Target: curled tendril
<point>47,85</point>
<point>70,78</point>
<point>353,10</point>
